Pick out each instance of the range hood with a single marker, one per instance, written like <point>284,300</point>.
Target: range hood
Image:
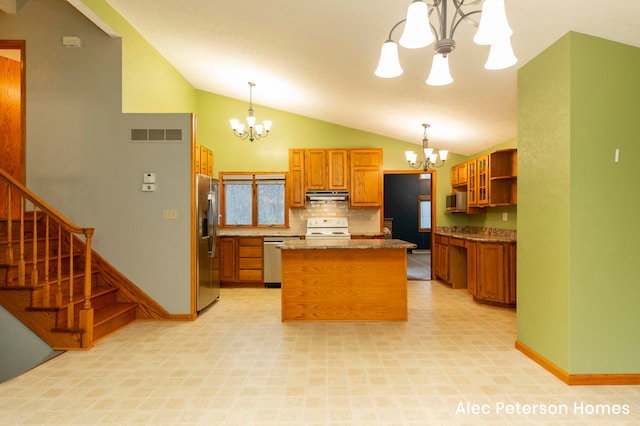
<point>327,195</point>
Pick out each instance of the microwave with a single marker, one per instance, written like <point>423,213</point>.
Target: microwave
<point>457,201</point>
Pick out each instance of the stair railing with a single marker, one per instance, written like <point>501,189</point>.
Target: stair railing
<point>17,197</point>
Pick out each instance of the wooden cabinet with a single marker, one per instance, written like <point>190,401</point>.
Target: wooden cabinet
<point>482,178</point>
<point>486,269</point>
<point>457,263</point>
<point>316,169</point>
<point>358,171</point>
<point>492,272</point>
<point>441,257</point>
<point>503,177</point>
<point>241,260</point>
<point>459,175</point>
<point>227,259</point>
<point>337,169</point>
<point>492,180</point>
<point>472,262</point>
<point>472,184</point>
<point>366,178</point>
<point>203,160</point>
<point>296,178</point>
<point>326,169</point>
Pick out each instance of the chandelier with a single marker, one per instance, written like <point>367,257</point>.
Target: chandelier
<point>256,131</point>
<point>419,31</point>
<point>430,160</point>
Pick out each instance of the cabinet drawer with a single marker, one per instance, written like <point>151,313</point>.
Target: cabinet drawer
<point>439,239</point>
<point>456,242</point>
<point>250,263</point>
<point>250,251</point>
<point>249,241</point>
<point>250,275</point>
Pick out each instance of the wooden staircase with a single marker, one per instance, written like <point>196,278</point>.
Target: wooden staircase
<point>52,280</point>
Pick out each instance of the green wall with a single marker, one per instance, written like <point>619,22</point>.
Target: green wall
<point>577,285</point>
<point>288,131</point>
<point>144,70</point>
<point>149,82</point>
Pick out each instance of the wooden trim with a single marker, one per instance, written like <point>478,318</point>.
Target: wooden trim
<point>577,379</point>
<point>194,220</point>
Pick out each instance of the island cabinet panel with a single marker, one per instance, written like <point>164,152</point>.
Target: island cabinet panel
<point>343,284</point>
<point>296,178</point>
<point>366,178</point>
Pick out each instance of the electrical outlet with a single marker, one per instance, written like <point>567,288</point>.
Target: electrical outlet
<point>505,216</point>
<point>169,214</point>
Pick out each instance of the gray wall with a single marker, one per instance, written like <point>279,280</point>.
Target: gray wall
<point>20,349</point>
<point>80,160</point>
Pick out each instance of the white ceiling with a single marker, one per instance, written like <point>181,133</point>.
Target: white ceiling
<point>317,57</point>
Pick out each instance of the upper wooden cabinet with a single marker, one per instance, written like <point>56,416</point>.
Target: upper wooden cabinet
<point>337,169</point>
<point>482,177</point>
<point>366,178</point>
<point>503,177</point>
<point>327,169</point>
<point>296,178</point>
<point>358,171</point>
<point>203,161</point>
<point>491,180</point>
<point>459,174</point>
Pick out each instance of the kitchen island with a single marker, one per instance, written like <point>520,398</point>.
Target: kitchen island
<point>344,280</point>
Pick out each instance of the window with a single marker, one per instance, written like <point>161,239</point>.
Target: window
<point>254,199</point>
<point>424,212</point>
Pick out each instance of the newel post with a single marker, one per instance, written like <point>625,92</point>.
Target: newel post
<point>86,313</point>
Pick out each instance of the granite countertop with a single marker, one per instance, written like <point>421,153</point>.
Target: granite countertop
<point>479,236</point>
<point>345,244</point>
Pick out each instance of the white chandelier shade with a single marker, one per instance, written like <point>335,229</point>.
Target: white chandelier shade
<point>493,30</point>
<point>389,64</point>
<point>493,23</point>
<point>440,74</point>
<point>416,34</point>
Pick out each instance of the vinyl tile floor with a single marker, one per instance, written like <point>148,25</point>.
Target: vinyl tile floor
<point>453,362</point>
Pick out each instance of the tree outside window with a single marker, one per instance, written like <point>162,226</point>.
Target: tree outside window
<point>254,199</point>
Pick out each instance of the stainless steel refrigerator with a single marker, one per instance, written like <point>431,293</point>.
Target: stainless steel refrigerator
<point>208,278</point>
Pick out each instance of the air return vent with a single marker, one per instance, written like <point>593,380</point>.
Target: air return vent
<point>156,135</point>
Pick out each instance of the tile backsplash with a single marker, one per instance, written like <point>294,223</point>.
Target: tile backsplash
<point>361,220</point>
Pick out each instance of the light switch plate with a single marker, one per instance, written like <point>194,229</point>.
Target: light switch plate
<point>170,214</point>
<point>149,178</point>
<point>148,187</point>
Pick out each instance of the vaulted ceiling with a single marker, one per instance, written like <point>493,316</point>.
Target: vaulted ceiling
<point>317,58</point>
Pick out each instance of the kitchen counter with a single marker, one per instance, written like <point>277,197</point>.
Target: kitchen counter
<point>364,244</point>
<point>344,280</point>
<point>479,234</point>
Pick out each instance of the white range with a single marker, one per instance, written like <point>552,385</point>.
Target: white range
<point>328,228</point>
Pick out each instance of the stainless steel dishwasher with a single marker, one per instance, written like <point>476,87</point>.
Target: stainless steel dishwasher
<point>272,267</point>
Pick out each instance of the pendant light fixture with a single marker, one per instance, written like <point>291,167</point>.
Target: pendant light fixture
<point>429,22</point>
<point>256,131</point>
<point>430,160</point>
